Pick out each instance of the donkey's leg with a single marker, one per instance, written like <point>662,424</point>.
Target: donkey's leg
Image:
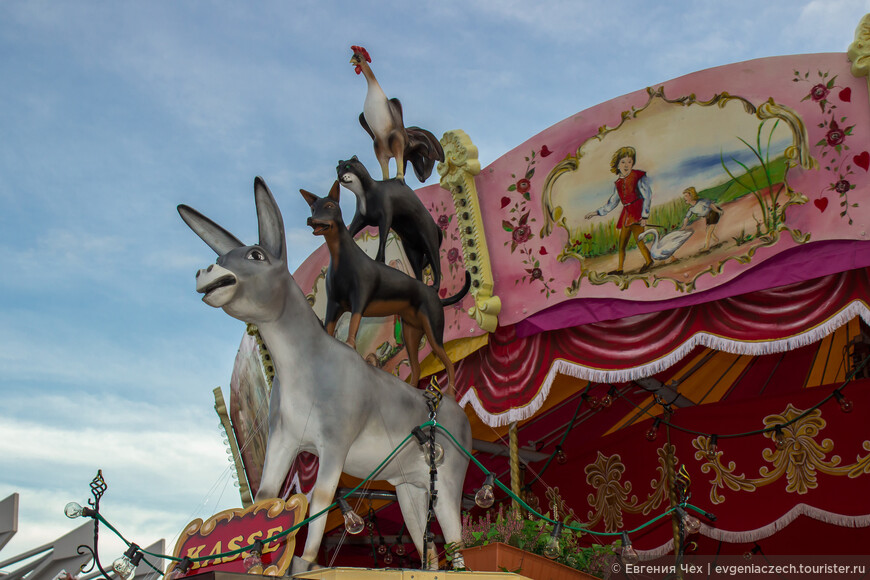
<point>278,460</point>
<point>328,473</point>
<point>414,503</point>
<point>281,449</point>
<point>448,507</point>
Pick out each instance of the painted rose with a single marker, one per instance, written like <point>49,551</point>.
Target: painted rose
<point>842,186</point>
<point>819,92</point>
<point>443,221</point>
<point>835,135</point>
<point>536,274</point>
<point>521,234</point>
<point>524,185</point>
<point>452,255</point>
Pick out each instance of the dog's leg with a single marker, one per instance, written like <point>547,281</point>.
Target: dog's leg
<point>333,312</point>
<point>434,330</point>
<point>411,335</point>
<point>414,501</point>
<point>383,232</point>
<point>417,261</point>
<point>353,329</point>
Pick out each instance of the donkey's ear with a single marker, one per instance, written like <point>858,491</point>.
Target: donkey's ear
<point>310,198</point>
<point>334,193</point>
<point>217,238</point>
<point>269,220</point>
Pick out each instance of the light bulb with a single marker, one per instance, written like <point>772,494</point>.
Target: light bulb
<point>653,431</point>
<point>691,524</point>
<point>606,401</point>
<point>485,497</point>
<point>629,554</point>
<point>552,550</point>
<point>382,548</point>
<point>181,569</point>
<point>73,510</point>
<point>439,453</point>
<point>400,549</point>
<point>125,565</point>
<point>253,562</point>
<point>561,456</point>
<point>591,400</point>
<point>845,404</point>
<point>352,522</point>
<point>388,559</point>
<point>779,437</point>
<point>531,499</point>
<point>712,447</point>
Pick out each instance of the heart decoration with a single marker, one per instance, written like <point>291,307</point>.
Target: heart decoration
<point>862,160</point>
<point>545,151</point>
<point>505,201</point>
<point>821,203</point>
<point>443,291</point>
<point>846,95</point>
<point>543,251</point>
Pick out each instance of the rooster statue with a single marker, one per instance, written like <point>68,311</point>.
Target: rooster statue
<point>382,119</point>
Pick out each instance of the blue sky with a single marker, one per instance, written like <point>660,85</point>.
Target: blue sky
<point>112,113</point>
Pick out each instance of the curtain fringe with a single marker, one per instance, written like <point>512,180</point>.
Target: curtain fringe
<point>578,371</point>
<point>763,532</point>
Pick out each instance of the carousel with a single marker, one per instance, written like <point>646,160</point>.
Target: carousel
<point>638,337</point>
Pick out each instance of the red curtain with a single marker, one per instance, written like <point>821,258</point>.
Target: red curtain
<point>509,379</point>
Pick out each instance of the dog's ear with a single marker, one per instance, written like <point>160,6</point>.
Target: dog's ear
<point>269,220</point>
<point>354,158</point>
<point>309,197</point>
<point>334,193</point>
<point>216,237</point>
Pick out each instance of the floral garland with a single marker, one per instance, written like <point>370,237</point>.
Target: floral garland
<point>833,143</point>
<point>519,225</point>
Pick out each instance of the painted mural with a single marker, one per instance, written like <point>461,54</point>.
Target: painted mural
<point>679,186</point>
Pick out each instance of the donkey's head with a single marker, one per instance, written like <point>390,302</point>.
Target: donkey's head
<point>248,282</point>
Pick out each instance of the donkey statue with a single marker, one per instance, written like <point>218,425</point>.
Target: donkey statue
<point>327,399</point>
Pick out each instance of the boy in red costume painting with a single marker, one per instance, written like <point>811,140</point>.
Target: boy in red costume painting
<point>632,189</point>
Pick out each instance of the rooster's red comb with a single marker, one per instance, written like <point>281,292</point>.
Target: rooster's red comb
<point>362,51</point>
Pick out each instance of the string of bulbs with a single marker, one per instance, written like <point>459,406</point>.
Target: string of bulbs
<point>126,565</point>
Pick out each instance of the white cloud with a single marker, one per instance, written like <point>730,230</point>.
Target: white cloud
<point>162,470</point>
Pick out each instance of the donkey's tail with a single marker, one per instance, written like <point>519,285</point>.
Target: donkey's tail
<point>459,295</point>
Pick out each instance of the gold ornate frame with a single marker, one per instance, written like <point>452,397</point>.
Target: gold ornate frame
<point>457,176</point>
<point>797,154</point>
<point>274,508</point>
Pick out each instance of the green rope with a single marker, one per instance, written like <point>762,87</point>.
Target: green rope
<point>499,483</point>
<point>529,509</point>
<point>280,535</point>
<point>127,542</point>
